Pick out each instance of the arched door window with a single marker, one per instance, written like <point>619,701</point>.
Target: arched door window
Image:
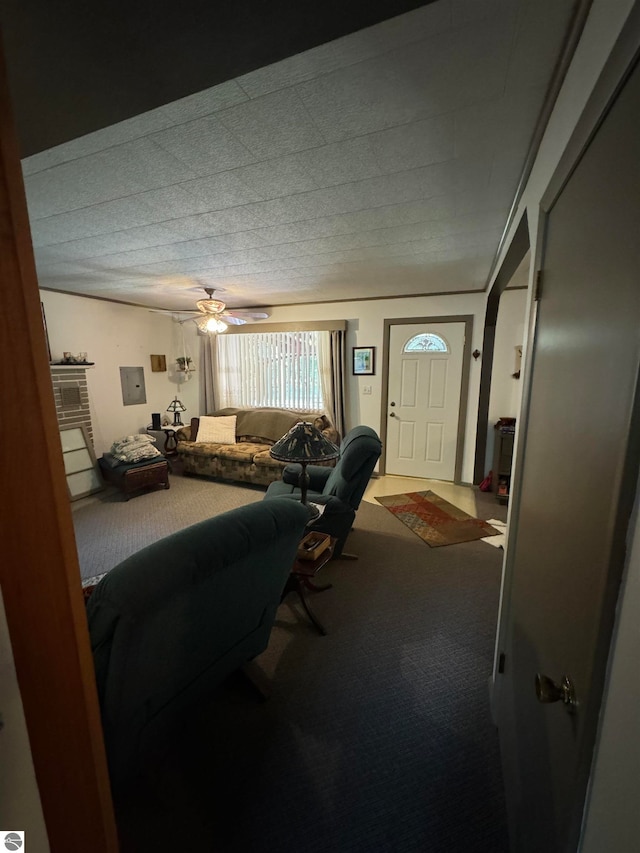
<point>426,342</point>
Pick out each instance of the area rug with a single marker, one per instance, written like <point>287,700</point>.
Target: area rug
<point>435,520</point>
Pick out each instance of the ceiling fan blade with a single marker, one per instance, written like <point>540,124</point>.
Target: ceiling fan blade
<point>234,321</point>
<point>249,315</point>
<point>183,315</point>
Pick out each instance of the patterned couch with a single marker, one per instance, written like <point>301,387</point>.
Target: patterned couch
<point>247,460</point>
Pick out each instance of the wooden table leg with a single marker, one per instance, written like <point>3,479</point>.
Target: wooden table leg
<point>297,584</point>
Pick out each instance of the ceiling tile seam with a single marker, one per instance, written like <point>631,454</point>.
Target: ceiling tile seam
<point>181,184</point>
<point>169,222</point>
<point>311,119</point>
<point>254,99</point>
<point>266,161</point>
<point>512,49</point>
<point>418,38</point>
<point>140,267</point>
<point>211,258</point>
<point>452,28</point>
<point>322,259</point>
<point>248,230</point>
<point>282,243</point>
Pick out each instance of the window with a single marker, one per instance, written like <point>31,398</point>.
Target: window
<point>279,369</point>
<point>426,342</point>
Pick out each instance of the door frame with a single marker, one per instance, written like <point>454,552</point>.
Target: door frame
<point>621,62</point>
<point>467,319</point>
<point>39,572</point>
<point>518,248</point>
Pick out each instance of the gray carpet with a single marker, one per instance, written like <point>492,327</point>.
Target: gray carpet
<point>109,528</point>
<point>376,737</point>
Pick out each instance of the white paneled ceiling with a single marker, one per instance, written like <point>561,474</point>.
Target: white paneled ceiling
<point>379,164</point>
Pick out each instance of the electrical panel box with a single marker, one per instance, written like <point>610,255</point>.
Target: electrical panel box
<point>133,390</point>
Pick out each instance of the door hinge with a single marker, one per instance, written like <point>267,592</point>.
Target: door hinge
<point>501,660</point>
<point>537,293</point>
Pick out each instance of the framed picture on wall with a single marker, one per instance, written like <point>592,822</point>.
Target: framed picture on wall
<point>364,361</point>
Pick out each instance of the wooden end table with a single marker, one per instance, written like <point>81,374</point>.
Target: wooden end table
<point>301,579</point>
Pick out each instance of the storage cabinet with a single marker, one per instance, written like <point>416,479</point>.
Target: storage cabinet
<point>502,458</point>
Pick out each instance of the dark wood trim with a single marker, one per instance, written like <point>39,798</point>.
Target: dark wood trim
<point>467,319</point>
<point>39,572</point>
<point>279,305</point>
<point>519,247</point>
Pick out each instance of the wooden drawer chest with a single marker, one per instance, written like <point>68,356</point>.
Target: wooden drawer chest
<point>134,478</point>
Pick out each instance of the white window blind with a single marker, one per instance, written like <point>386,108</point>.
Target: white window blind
<point>278,369</point>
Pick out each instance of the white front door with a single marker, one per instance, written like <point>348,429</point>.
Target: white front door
<point>425,375</point>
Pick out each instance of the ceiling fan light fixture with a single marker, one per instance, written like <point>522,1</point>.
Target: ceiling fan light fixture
<point>211,325</point>
<point>210,306</point>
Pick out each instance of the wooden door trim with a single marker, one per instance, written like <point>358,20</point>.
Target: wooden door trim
<point>518,248</point>
<point>467,319</point>
<point>39,572</point>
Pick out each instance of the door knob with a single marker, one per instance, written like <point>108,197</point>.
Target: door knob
<point>392,414</point>
<point>548,691</point>
<point>392,404</point>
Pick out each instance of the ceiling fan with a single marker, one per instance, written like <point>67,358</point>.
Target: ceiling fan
<point>214,317</point>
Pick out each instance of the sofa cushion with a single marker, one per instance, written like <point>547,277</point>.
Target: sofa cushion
<point>243,452</point>
<point>203,448</point>
<point>264,459</point>
<point>217,430</point>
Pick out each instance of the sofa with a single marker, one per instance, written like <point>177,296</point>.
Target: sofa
<point>248,459</point>
<point>169,623</point>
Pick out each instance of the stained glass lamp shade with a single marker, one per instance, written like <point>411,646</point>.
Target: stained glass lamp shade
<point>303,444</point>
<point>176,407</point>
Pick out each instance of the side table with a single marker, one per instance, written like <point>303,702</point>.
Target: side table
<point>301,579</point>
<point>170,440</point>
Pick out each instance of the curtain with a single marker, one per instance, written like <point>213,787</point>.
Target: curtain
<point>209,373</point>
<point>332,366</point>
<point>338,373</point>
<point>279,369</point>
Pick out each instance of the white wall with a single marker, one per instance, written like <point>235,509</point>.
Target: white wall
<point>366,328</point>
<point>117,336</point>
<point>20,806</point>
<point>506,392</point>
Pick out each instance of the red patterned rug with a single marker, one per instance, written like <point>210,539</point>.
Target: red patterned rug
<point>435,520</point>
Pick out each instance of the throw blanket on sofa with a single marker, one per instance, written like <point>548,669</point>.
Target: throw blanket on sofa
<point>134,448</point>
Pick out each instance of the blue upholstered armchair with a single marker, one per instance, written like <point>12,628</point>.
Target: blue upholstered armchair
<point>340,489</point>
<point>168,624</point>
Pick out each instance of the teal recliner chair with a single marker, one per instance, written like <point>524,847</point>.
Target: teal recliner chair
<point>169,623</point>
<point>340,489</point>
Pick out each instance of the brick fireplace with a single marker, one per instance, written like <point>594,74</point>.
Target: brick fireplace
<point>71,396</point>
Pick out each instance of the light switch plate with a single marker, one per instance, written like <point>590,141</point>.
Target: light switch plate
<point>366,389</point>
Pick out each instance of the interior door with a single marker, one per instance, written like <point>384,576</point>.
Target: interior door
<point>425,375</point>
<point>580,447</point>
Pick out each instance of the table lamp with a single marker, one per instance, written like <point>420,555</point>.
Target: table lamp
<point>303,444</point>
<point>176,407</point>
